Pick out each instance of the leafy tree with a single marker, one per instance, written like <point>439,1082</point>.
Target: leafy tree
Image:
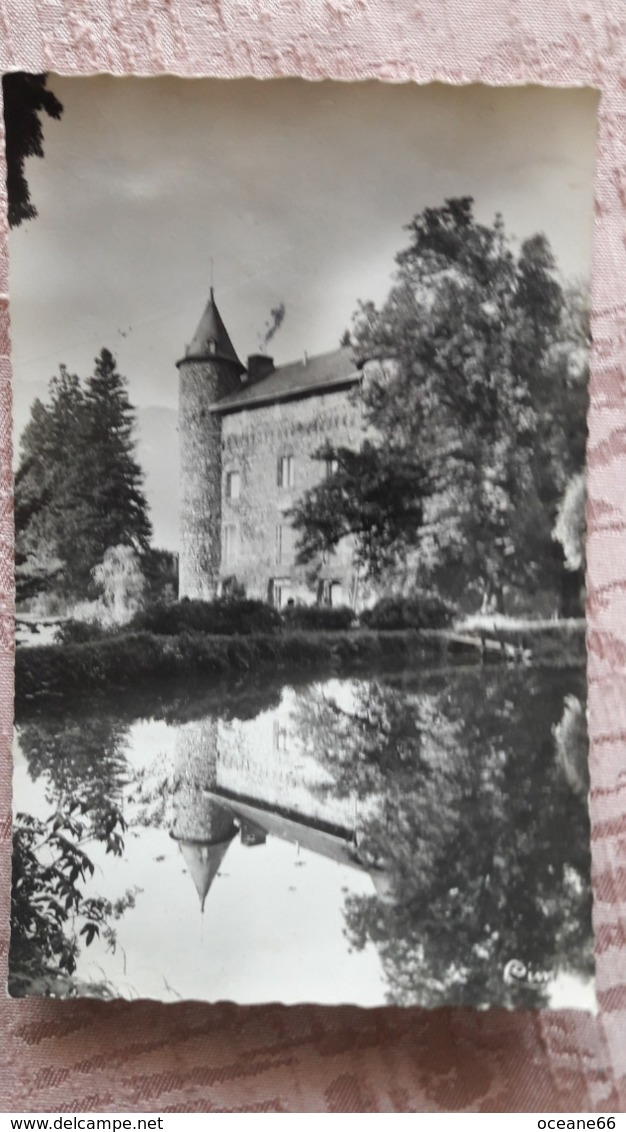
<point>570,526</point>
<point>374,495</point>
<point>50,913</point>
<point>51,506</point>
<point>25,97</point>
<point>78,755</point>
<point>571,743</point>
<point>160,569</point>
<point>81,758</point>
<point>122,583</point>
<point>467,364</point>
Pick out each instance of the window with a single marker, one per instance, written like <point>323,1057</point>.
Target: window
<point>280,736</point>
<point>331,467</point>
<point>278,592</point>
<point>285,471</point>
<point>233,485</point>
<point>331,593</point>
<point>229,542</point>
<point>284,543</point>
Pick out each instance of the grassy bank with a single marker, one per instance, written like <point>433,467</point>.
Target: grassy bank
<point>558,643</point>
<point>138,657</point>
<point>128,660</point>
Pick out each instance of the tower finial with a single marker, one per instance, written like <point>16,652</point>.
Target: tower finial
<point>211,263</point>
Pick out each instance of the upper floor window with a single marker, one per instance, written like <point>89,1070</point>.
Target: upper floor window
<point>229,542</point>
<point>285,471</point>
<point>233,485</point>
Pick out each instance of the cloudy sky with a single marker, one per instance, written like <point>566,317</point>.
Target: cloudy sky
<point>297,191</point>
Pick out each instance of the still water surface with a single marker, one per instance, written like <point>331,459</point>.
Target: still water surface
<point>415,839</point>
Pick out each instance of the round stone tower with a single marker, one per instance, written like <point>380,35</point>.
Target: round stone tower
<point>209,371</point>
<point>203,828</point>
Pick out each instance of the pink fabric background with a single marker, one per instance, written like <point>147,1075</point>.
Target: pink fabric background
<point>143,1056</point>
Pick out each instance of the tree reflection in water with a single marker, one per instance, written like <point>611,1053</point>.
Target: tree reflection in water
<point>470,796</point>
<point>477,822</point>
<point>79,757</point>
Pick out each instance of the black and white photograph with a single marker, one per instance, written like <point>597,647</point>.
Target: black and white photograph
<point>300,389</point>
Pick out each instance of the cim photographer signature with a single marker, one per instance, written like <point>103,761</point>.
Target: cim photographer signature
<point>516,971</point>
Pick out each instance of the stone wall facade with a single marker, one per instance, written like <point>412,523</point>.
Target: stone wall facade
<point>258,541</point>
<point>269,760</point>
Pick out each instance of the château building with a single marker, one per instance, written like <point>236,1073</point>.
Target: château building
<point>249,435</point>
<point>248,438</point>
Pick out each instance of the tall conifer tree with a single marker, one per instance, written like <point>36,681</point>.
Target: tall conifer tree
<point>78,489</point>
<point>50,508</point>
<point>114,477</point>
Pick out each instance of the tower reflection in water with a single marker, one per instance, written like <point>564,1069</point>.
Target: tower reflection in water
<point>254,780</point>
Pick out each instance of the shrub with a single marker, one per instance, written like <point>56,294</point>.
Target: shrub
<point>418,611</point>
<point>233,589</point>
<point>219,617</point>
<point>78,632</point>
<point>160,571</point>
<point>128,660</point>
<point>121,582</point>
<point>331,618</point>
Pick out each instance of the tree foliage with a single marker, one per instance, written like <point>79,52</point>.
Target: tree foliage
<point>50,912</point>
<point>466,801</point>
<point>50,506</point>
<point>474,374</point>
<point>81,754</point>
<point>78,488</point>
<point>122,583</point>
<point>80,759</point>
<point>570,526</point>
<point>26,98</point>
<point>374,495</point>
<point>115,478</point>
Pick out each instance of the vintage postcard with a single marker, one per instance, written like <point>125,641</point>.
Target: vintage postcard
<point>300,395</point>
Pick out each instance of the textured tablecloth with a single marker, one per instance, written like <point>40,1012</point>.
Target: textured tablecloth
<point>144,1056</point>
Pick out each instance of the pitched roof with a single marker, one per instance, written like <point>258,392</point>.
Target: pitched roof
<point>297,379</point>
<point>327,840</point>
<point>296,829</point>
<point>211,338</point>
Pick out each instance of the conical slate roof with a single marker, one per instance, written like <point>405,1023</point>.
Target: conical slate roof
<point>212,339</point>
<point>203,861</point>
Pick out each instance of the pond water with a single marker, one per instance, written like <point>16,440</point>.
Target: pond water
<point>420,839</point>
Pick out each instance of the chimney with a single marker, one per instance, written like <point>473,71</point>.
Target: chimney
<point>259,366</point>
